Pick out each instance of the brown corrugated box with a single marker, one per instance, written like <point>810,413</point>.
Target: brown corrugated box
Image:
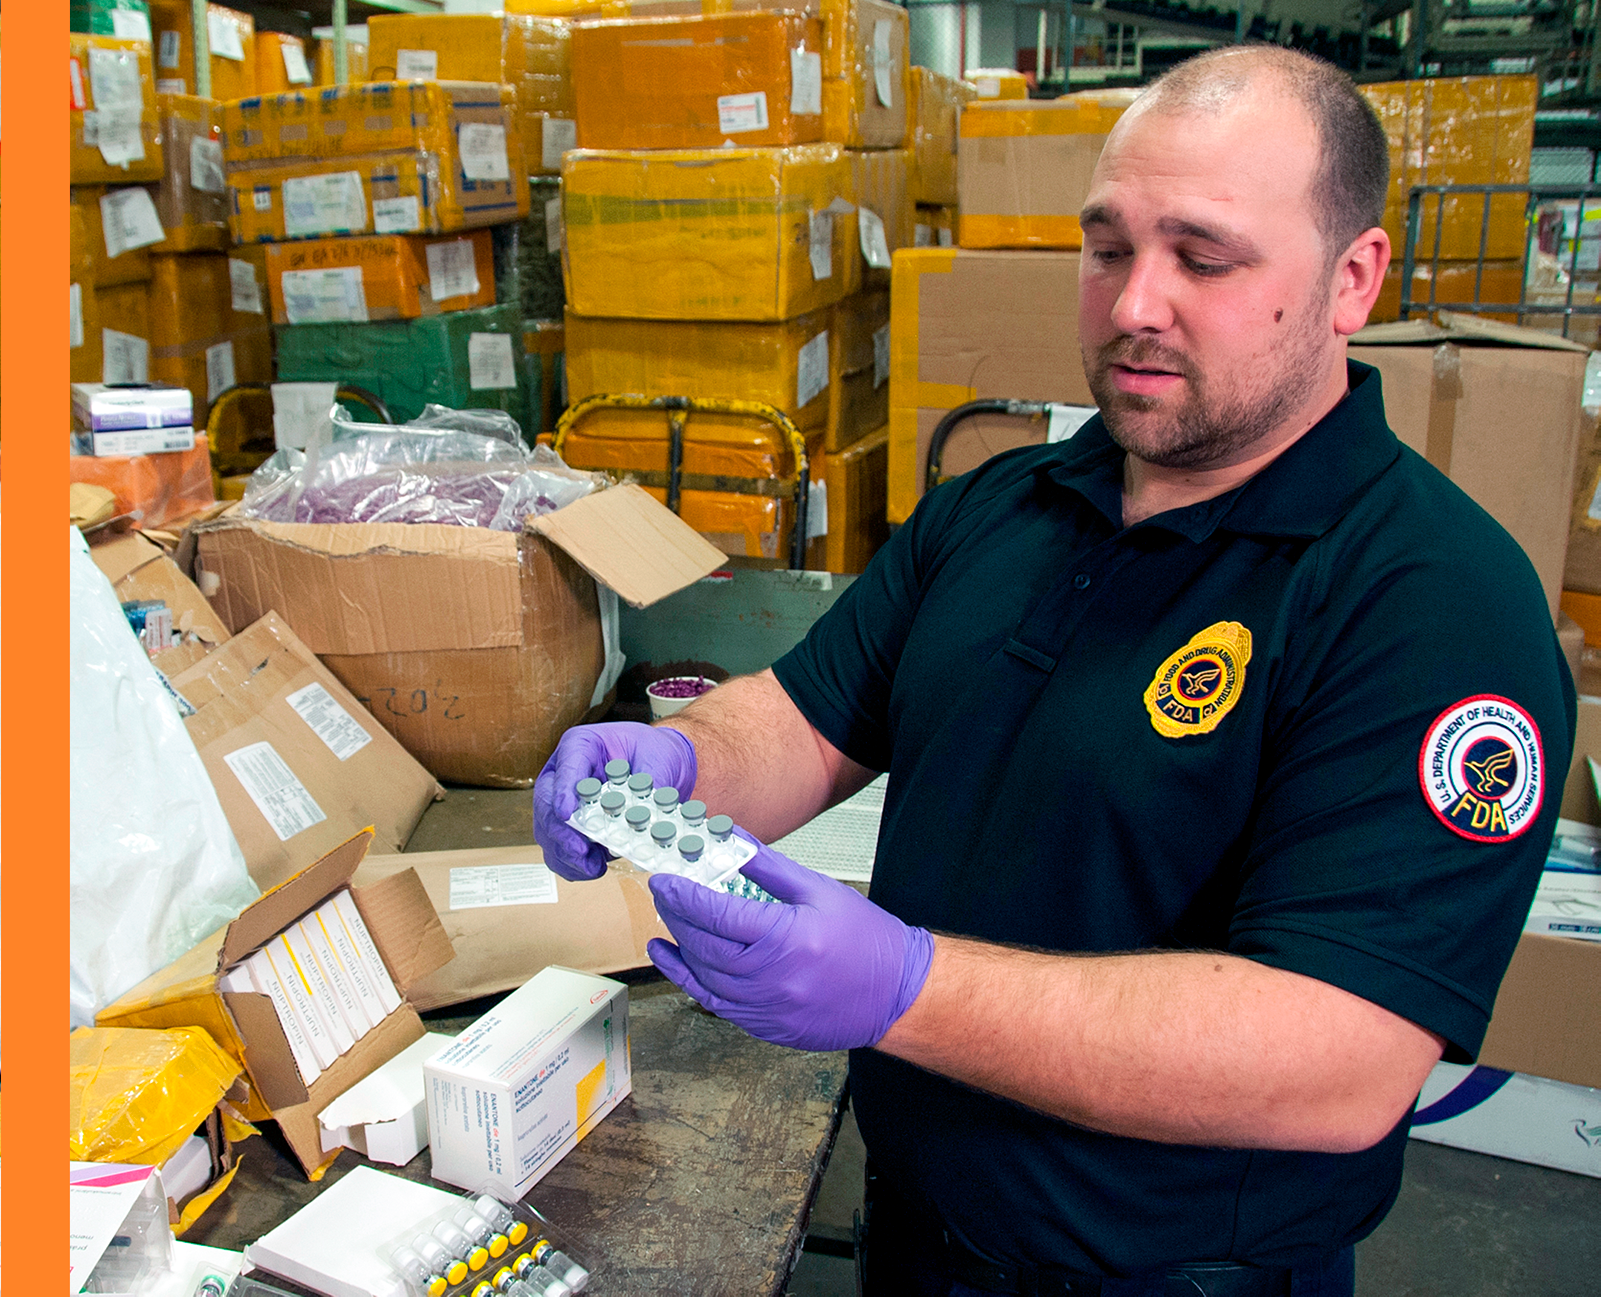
<point>1498,409</point>
<point>474,648</point>
<point>600,926</point>
<point>241,694</point>
<point>408,935</point>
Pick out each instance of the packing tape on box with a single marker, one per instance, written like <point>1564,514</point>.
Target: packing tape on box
<point>986,231</point>
<point>1442,409</point>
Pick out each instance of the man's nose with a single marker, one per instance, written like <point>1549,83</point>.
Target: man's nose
<point>1145,303</point>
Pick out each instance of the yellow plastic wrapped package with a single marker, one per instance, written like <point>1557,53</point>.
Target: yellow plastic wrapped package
<point>935,227</point>
<point>88,224</point>
<point>880,187</point>
<point>231,35</point>
<point>138,1094</point>
<point>115,135</point>
<point>192,198</point>
<point>936,100</point>
<point>998,83</point>
<point>707,234</point>
<point>1026,168</point>
<point>570,8</point>
<point>866,74</point>
<point>855,483</point>
<point>199,336</point>
<point>530,53</point>
<point>322,55</point>
<point>858,387</point>
<point>282,63</point>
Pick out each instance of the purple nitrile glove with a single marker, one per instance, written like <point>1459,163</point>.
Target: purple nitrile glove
<point>664,754</point>
<point>824,969</point>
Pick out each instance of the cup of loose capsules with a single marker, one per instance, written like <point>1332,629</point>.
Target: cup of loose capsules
<point>676,693</point>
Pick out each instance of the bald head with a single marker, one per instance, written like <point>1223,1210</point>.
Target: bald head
<point>1349,184</point>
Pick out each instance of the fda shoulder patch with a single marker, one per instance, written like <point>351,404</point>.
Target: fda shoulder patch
<point>1197,686</point>
<point>1482,769</point>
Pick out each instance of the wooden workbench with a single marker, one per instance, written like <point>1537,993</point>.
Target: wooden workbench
<point>700,1182</point>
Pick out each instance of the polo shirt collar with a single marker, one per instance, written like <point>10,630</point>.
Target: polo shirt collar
<point>1303,492</point>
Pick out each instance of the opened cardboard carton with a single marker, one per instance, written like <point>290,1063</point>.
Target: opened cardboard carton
<point>139,569</point>
<point>1496,408</point>
<point>409,937</point>
<point>508,917</point>
<point>474,648</point>
<point>299,765</point>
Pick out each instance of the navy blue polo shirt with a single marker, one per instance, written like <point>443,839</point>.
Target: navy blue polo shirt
<point>1321,721</point>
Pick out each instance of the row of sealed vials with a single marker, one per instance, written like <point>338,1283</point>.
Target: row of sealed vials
<point>484,1249</point>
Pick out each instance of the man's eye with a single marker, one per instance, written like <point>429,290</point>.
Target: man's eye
<point>1107,256</point>
<point>1207,268</point>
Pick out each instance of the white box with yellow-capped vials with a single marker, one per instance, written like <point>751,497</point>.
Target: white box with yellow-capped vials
<point>521,1086</point>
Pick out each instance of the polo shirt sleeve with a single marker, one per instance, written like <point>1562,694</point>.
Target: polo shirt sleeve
<point>1349,874</point>
<point>842,674</point>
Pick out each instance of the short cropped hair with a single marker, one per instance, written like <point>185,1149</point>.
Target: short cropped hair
<point>1350,185</point>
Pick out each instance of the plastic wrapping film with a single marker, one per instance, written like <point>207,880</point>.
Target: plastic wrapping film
<point>545,342</point>
<point>161,489</point>
<point>322,56</point>
<point>881,184</point>
<point>87,356</point>
<point>858,388</point>
<point>936,102</point>
<point>466,468</point>
<point>128,90</point>
<point>87,236</point>
<point>528,255</point>
<point>125,310</point>
<point>276,54</point>
<point>1458,130</point>
<point>935,227</point>
<point>855,484</point>
<point>866,74</point>
<point>1025,168</point>
<point>192,198</point>
<point>411,363</point>
<point>693,82</point>
<point>230,33</point>
<point>138,1094</point>
<point>710,234</point>
<point>998,83</point>
<point>775,363</point>
<point>104,16</point>
<point>379,276</point>
<point>154,865</point>
<point>197,339</point>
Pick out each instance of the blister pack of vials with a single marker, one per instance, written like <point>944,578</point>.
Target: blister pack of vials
<point>483,1247</point>
<point>628,815</point>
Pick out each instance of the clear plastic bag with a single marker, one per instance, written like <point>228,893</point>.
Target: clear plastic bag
<point>465,468</point>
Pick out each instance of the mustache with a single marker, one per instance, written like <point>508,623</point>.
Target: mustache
<point>1143,353</point>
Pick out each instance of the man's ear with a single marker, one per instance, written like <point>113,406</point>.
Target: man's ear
<point>1358,277</point>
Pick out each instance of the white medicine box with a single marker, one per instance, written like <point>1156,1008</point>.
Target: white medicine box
<point>522,1085</point>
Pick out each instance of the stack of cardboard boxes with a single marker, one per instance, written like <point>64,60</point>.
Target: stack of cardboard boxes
<point>741,184</point>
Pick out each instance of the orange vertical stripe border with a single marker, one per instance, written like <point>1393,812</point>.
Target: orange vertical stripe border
<point>34,633</point>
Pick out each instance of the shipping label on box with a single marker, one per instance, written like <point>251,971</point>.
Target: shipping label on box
<point>522,1085</point>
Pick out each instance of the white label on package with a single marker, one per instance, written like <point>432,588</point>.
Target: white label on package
<point>397,215</point>
<point>553,225</point>
<point>205,166</point>
<point>821,241</point>
<point>945,239</point>
<point>75,78</point>
<point>452,269</point>
<point>245,288</point>
<point>737,114</point>
<point>922,236</point>
<point>557,135</point>
<point>875,246</point>
<point>882,65</point>
<point>223,33</point>
<point>416,65</point>
<point>805,82</point>
<point>130,25</point>
<point>167,51</point>
<point>114,79</point>
<point>171,86</point>
<point>816,510</point>
<point>332,296</point>
<point>490,366</point>
<point>481,886</point>
<point>880,357</point>
<point>219,369</point>
<point>811,370</point>
<point>127,358</point>
<point>1065,420</point>
<point>75,309</point>
<point>262,198</point>
<point>272,785</point>
<point>988,87</point>
<point>483,151</point>
<point>331,204</point>
<point>337,728</point>
<point>295,70</point>
<point>116,133</point>
<point>300,413</point>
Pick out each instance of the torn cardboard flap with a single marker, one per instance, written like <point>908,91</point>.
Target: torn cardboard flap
<point>631,543</point>
<point>299,895</point>
<point>140,569</point>
<point>411,950</point>
<point>1454,326</point>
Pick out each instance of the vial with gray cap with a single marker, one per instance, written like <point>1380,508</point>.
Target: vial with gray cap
<point>640,788</point>
<point>617,772</point>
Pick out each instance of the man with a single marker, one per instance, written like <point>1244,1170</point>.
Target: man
<point>1221,742</point>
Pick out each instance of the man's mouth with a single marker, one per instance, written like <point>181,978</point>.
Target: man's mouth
<point>1143,380</point>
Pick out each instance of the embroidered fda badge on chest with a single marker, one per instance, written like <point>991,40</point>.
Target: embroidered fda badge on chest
<point>1482,769</point>
<point>1196,687</point>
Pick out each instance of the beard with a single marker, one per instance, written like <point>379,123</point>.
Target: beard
<point>1209,427</point>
